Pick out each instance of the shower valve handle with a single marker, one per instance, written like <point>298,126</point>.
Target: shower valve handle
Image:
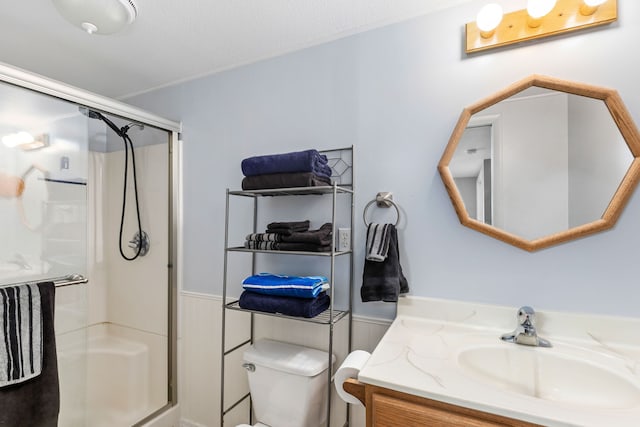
<point>141,242</point>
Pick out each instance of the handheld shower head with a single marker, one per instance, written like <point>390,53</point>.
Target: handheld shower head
<point>90,113</point>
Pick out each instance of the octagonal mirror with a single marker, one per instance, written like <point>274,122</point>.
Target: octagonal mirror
<point>542,162</point>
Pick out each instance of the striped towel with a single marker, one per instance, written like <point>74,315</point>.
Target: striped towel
<point>377,242</point>
<point>264,237</point>
<point>20,334</point>
<point>263,246</point>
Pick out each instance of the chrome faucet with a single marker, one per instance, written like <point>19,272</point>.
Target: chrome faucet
<point>525,332</point>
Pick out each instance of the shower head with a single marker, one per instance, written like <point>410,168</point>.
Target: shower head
<point>90,113</point>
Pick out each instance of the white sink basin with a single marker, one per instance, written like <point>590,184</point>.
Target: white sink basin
<point>551,374</point>
<point>450,351</point>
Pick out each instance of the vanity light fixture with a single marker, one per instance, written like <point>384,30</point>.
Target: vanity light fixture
<point>541,18</point>
<point>98,16</point>
<point>25,141</point>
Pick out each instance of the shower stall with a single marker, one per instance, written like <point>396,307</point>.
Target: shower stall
<point>89,198</point>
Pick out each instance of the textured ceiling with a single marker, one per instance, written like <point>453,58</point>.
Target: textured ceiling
<point>173,40</point>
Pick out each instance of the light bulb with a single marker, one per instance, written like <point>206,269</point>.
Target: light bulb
<point>488,19</point>
<point>537,9</point>
<point>588,7</point>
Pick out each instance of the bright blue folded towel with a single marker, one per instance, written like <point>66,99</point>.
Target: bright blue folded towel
<point>297,161</point>
<point>289,306</point>
<point>293,286</point>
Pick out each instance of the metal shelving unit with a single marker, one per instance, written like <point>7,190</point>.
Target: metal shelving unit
<point>341,162</point>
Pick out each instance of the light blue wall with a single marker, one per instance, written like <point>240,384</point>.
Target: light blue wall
<point>396,94</point>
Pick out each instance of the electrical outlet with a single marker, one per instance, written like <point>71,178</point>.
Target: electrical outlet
<point>344,239</point>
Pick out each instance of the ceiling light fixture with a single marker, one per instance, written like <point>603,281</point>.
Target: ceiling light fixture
<point>541,18</point>
<point>98,16</point>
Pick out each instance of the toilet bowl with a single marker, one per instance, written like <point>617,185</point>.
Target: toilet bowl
<point>288,384</point>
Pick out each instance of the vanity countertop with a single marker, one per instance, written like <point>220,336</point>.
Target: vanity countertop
<point>421,354</point>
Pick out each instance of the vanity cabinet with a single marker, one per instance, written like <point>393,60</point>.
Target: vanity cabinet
<point>391,408</point>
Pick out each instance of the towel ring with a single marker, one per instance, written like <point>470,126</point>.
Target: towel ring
<point>382,200</point>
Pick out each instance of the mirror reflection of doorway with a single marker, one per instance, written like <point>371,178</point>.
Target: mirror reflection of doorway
<point>471,170</point>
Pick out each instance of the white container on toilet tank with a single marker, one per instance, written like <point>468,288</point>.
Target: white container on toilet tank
<point>288,383</point>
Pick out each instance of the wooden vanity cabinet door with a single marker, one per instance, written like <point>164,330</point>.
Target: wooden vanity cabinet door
<point>392,412</point>
<point>389,408</point>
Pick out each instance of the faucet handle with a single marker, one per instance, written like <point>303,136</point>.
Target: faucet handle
<point>526,333</point>
<point>526,316</point>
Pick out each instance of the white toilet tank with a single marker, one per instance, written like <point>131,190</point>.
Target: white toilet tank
<point>289,383</point>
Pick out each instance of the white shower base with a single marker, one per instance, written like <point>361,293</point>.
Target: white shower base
<point>106,375</point>
<point>118,383</point>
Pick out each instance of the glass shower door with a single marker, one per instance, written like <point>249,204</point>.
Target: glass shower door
<point>62,168</point>
<point>43,212</point>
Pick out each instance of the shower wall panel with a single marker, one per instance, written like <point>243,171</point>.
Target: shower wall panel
<point>128,300</point>
<point>137,295</point>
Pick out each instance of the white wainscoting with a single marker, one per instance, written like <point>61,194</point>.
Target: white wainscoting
<point>199,347</point>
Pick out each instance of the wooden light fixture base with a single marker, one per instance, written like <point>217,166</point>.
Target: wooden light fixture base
<point>566,16</point>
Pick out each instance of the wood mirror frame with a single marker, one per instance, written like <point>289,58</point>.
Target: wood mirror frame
<point>622,119</point>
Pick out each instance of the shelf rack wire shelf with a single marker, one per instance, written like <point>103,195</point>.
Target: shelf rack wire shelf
<point>341,162</point>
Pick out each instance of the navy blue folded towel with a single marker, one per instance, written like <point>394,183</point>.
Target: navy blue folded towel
<point>297,161</point>
<point>289,306</point>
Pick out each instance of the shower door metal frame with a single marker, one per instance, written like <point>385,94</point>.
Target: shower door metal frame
<point>56,89</point>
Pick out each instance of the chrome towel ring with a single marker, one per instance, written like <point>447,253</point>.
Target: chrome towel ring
<point>382,200</point>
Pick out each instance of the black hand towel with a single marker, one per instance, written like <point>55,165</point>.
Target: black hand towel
<point>384,281</point>
<point>284,180</point>
<point>321,236</point>
<point>288,227</point>
<point>36,402</point>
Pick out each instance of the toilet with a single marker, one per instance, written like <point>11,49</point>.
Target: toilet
<point>288,384</point>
